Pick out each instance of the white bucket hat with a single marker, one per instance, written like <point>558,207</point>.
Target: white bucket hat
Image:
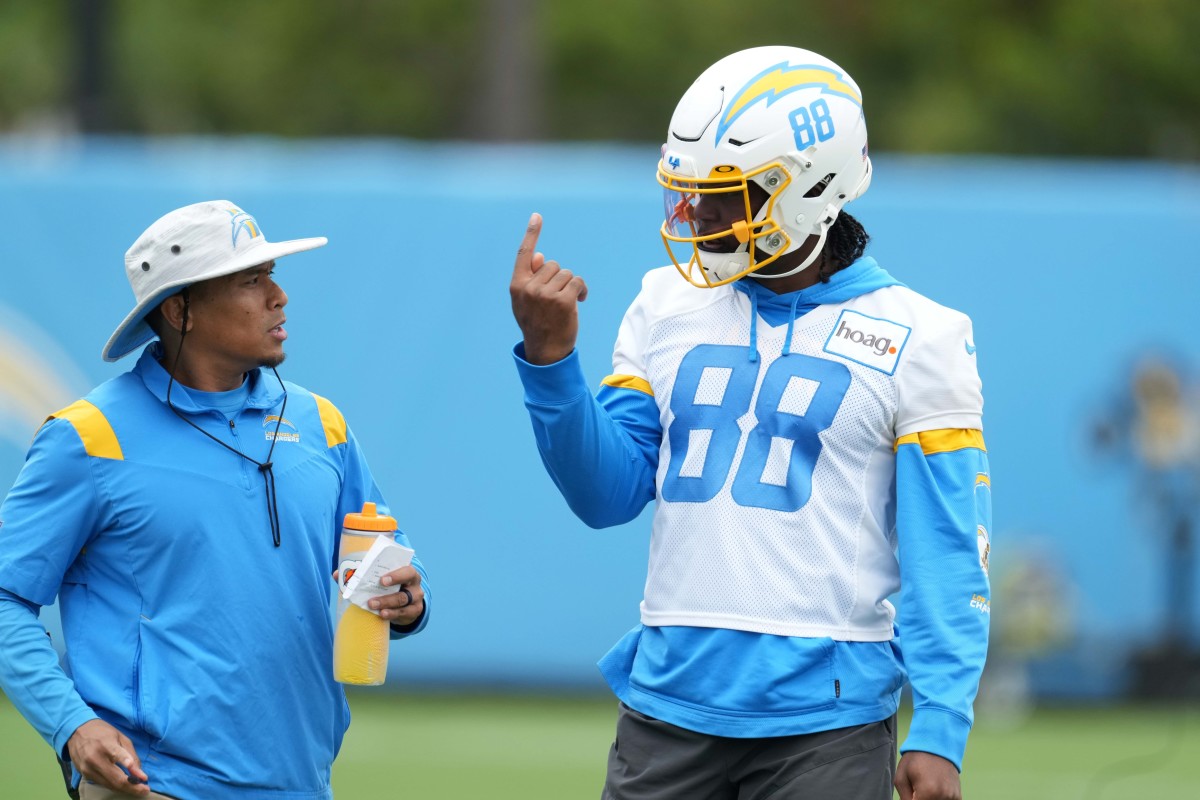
<point>189,245</point>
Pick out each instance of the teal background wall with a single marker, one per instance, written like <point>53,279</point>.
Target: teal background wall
<point>1071,270</point>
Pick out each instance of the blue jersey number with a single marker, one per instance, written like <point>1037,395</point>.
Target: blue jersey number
<point>695,416</point>
<point>812,124</point>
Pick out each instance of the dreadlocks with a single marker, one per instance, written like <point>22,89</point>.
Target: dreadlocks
<point>845,243</point>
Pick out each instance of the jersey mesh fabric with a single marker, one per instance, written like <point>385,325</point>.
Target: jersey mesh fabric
<point>795,571</point>
<point>732,680</point>
<point>810,545</point>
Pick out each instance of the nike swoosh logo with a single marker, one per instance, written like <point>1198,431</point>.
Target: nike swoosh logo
<point>970,347</point>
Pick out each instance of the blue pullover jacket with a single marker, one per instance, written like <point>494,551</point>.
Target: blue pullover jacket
<point>185,626</point>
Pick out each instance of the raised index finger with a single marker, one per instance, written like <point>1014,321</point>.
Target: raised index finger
<point>523,268</point>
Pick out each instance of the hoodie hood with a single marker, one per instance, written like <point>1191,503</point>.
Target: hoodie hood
<point>861,277</point>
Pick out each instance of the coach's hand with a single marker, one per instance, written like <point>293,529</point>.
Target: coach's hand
<point>545,300</point>
<point>924,776</point>
<point>99,751</point>
<point>405,606</point>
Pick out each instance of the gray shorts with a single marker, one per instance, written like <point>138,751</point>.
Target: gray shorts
<point>92,791</point>
<point>653,760</point>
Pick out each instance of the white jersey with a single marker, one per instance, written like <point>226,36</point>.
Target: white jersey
<point>776,494</point>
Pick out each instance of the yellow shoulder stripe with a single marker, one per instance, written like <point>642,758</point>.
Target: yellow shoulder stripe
<point>332,419</point>
<point>99,440</point>
<point>946,440</point>
<point>629,382</point>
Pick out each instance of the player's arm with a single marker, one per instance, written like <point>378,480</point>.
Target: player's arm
<point>943,515</point>
<point>601,452</point>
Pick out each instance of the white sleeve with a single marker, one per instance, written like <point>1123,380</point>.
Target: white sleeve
<point>938,385</point>
<point>629,351</point>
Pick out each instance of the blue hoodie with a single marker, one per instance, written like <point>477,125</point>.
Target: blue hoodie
<point>602,453</point>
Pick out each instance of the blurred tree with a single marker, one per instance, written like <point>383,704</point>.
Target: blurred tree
<point>33,50</point>
<point>510,103</point>
<point>1045,77</point>
<point>90,20</point>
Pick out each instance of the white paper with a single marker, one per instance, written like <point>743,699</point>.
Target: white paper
<point>384,556</point>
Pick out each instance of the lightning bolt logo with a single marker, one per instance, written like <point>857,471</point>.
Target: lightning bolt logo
<point>781,79</point>
<point>242,221</point>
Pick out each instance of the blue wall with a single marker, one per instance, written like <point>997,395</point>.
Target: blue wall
<point>1069,269</point>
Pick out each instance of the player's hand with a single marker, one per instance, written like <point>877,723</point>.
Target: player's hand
<point>99,751</point>
<point>924,776</point>
<point>405,606</point>
<point>545,301</point>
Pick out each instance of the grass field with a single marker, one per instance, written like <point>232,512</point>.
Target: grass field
<point>460,747</point>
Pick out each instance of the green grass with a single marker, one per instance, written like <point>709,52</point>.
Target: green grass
<point>455,747</point>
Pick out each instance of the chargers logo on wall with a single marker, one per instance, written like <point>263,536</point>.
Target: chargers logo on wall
<point>36,379</point>
<point>874,343</point>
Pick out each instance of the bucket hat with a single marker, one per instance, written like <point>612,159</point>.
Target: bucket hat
<point>191,244</point>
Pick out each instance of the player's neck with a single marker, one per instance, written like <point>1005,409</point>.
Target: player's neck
<point>809,276</point>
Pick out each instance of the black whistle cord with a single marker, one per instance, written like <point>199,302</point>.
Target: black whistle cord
<point>265,468</point>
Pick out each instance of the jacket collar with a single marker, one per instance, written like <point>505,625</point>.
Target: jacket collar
<point>264,392</point>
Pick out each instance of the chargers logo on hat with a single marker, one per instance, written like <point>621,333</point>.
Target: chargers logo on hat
<point>242,221</point>
<point>781,79</point>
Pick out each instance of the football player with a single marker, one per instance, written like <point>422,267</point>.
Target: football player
<point>810,430</point>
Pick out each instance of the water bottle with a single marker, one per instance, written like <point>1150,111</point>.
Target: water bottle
<point>360,643</point>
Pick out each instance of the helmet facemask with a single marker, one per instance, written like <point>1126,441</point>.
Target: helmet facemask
<point>760,239</point>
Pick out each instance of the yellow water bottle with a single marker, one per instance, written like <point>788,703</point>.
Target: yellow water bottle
<point>360,643</point>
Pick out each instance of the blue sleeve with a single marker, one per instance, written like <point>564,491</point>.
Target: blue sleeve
<point>943,520</point>
<point>31,677</point>
<point>53,510</point>
<point>358,487</point>
<point>601,452</point>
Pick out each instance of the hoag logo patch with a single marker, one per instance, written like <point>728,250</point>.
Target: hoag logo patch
<point>874,343</point>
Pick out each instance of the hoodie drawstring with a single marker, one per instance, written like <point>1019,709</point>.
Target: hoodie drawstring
<point>753,328</point>
<point>787,339</point>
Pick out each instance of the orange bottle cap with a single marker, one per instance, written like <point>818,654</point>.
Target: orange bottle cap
<point>369,520</point>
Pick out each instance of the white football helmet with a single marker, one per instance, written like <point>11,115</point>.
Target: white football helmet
<point>785,119</point>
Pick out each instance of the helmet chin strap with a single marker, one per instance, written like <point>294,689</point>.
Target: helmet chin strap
<point>720,266</point>
<point>723,265</point>
<point>805,264</point>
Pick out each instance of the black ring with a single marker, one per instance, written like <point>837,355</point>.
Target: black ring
<point>407,594</point>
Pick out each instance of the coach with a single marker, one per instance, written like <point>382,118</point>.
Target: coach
<point>185,514</point>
